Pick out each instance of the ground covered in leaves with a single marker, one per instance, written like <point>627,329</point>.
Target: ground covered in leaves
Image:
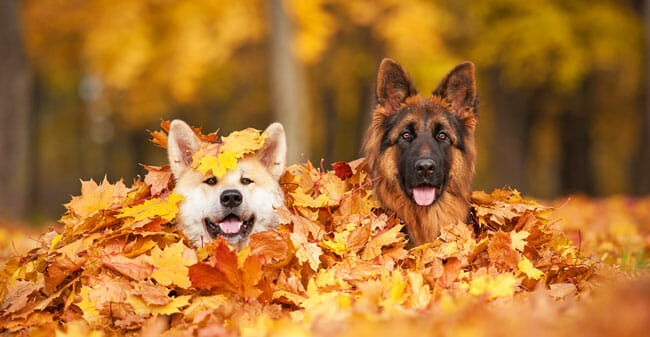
<point>336,266</point>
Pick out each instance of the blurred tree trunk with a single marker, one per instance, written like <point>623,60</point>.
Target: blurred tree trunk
<point>640,180</point>
<point>289,94</point>
<point>14,113</point>
<point>512,124</point>
<point>576,167</point>
<point>331,122</point>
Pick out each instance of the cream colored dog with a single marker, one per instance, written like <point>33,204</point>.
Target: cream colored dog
<point>236,205</point>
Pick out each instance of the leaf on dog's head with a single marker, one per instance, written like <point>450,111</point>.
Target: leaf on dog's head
<point>160,137</point>
<point>218,165</point>
<point>243,142</point>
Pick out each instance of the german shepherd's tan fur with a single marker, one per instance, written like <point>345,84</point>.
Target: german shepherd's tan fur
<point>406,128</point>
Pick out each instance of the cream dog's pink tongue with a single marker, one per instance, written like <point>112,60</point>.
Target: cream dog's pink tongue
<point>230,225</point>
<point>424,196</point>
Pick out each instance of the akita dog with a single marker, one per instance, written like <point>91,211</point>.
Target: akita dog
<point>236,205</point>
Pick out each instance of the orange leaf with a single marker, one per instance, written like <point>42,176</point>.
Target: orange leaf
<point>269,246</point>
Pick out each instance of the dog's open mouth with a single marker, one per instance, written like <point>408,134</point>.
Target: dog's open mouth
<point>425,195</point>
<point>229,227</point>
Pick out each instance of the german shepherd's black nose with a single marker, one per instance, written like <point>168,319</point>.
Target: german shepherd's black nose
<point>424,167</point>
<point>231,198</point>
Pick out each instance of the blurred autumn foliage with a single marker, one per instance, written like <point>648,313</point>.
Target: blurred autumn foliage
<point>562,84</point>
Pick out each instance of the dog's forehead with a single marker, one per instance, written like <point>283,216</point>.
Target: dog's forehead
<point>424,114</point>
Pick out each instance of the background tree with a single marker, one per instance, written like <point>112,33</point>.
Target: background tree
<point>15,90</point>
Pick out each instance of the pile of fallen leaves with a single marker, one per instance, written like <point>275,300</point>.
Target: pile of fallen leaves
<point>336,265</point>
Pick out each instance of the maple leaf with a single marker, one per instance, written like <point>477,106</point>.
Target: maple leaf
<point>342,170</point>
<point>218,165</point>
<point>304,200</point>
<point>239,273</point>
<point>158,178</point>
<point>160,137</point>
<point>503,285</point>
<point>170,265</point>
<point>500,250</point>
<point>96,197</point>
<point>205,276</point>
<point>243,142</point>
<point>18,295</point>
<point>373,248</point>
<point>165,208</point>
<point>269,246</point>
<point>306,251</point>
<point>526,267</point>
<point>519,240</point>
<point>137,269</point>
<point>173,306</point>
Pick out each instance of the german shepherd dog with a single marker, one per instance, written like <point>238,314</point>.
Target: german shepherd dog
<point>423,148</point>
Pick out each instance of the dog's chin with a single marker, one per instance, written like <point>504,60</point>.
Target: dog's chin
<point>230,227</point>
<point>425,194</point>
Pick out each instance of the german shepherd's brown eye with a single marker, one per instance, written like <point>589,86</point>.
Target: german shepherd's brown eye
<point>211,181</point>
<point>246,181</point>
<point>442,135</point>
<point>406,135</point>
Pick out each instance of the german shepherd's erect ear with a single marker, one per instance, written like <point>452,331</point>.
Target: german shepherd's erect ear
<point>274,152</point>
<point>394,85</point>
<point>458,88</point>
<point>182,143</point>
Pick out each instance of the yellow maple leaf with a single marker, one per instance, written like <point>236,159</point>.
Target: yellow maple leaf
<point>338,245</point>
<point>87,306</point>
<point>243,142</point>
<point>95,197</point>
<point>503,285</point>
<point>420,296</point>
<point>219,164</point>
<point>527,268</point>
<point>142,308</point>
<point>397,285</point>
<point>519,240</point>
<point>170,265</point>
<point>304,200</point>
<point>166,208</point>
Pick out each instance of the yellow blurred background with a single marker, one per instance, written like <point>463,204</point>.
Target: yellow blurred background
<point>563,85</point>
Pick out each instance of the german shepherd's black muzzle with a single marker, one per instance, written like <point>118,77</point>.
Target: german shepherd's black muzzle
<point>424,166</point>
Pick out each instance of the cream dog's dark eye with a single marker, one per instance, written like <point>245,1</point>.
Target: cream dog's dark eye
<point>211,181</point>
<point>245,181</point>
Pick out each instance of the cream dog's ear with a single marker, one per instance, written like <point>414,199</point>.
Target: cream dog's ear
<point>274,152</point>
<point>182,143</point>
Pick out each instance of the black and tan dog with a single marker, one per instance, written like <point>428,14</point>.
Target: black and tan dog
<point>423,148</point>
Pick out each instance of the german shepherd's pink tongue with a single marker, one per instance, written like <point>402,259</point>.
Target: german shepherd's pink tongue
<point>424,196</point>
<point>230,225</point>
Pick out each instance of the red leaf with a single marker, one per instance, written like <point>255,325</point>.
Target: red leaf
<point>342,170</point>
<point>204,276</point>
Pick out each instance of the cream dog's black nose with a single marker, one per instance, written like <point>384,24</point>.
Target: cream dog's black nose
<point>231,198</point>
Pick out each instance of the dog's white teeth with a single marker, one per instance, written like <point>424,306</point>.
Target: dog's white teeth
<point>424,196</point>
<point>230,225</point>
